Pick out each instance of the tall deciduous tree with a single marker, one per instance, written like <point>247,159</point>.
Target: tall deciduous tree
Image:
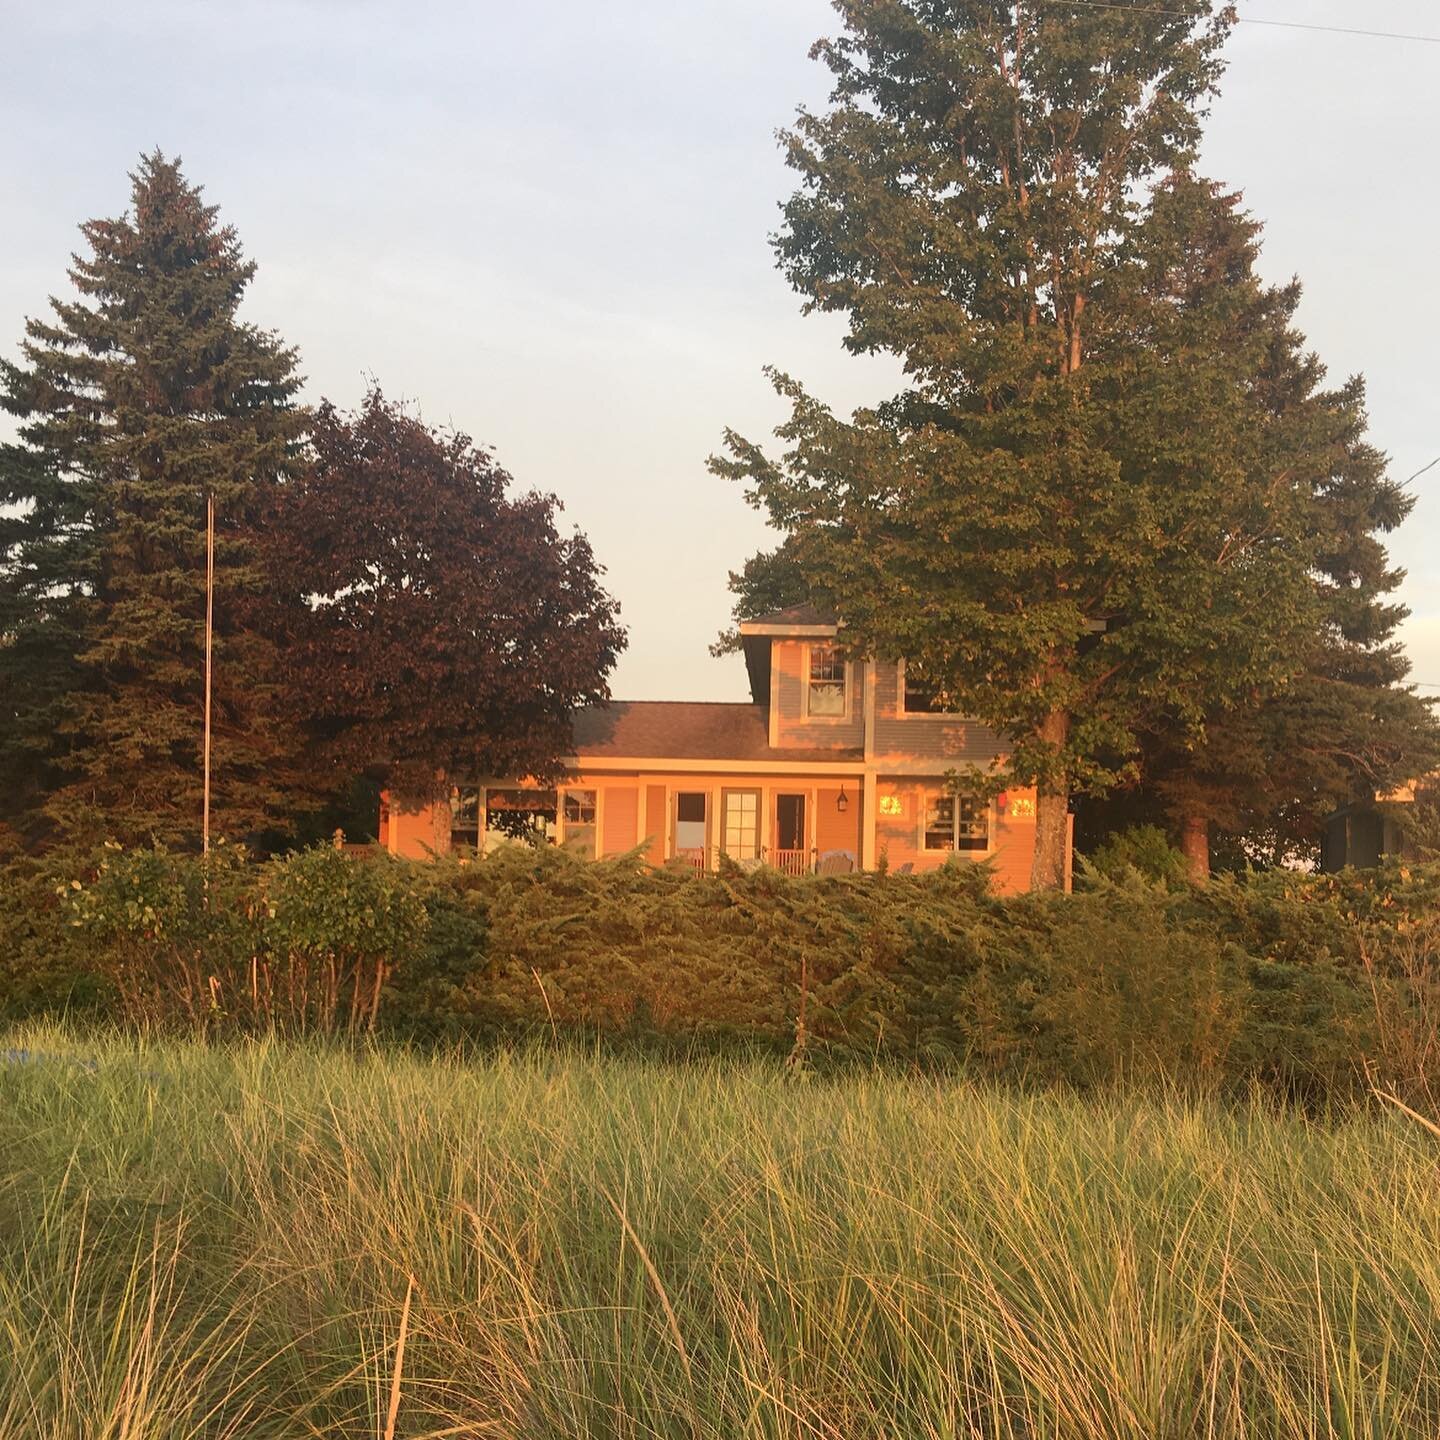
<point>972,201</point>
<point>438,624</point>
<point>141,397</point>
<point>969,202</point>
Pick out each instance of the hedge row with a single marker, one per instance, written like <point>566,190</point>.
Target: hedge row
<point>1310,984</point>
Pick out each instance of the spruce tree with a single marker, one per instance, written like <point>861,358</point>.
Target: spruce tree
<point>141,397</point>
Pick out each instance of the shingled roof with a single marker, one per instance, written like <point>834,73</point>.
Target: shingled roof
<point>686,730</point>
<point>792,615</point>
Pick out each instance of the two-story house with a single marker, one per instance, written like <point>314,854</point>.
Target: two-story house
<point>835,764</point>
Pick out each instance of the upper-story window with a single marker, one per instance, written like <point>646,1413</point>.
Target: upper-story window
<point>918,698</point>
<point>825,696</point>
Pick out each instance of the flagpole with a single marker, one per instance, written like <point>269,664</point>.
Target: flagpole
<point>209,644</point>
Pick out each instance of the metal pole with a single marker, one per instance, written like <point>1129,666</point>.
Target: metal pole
<point>209,646</point>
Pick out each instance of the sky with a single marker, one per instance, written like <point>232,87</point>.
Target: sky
<point>545,223</point>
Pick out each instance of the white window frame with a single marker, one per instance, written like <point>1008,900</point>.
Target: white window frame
<point>725,795</point>
<point>948,716</point>
<point>926,796</point>
<point>562,828</point>
<point>849,682</point>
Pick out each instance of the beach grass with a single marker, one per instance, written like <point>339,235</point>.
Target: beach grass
<point>268,1239</point>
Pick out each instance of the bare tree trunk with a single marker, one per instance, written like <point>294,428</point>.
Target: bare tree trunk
<point>1195,846</point>
<point>1052,814</point>
<point>1052,826</point>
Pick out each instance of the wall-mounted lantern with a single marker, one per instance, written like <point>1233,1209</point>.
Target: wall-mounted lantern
<point>842,800</point>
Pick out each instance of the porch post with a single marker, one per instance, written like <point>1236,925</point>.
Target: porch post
<point>868,806</point>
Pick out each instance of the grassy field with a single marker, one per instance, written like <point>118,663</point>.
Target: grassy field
<point>268,1241</point>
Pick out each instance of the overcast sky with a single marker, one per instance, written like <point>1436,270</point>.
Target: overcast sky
<point>546,223</point>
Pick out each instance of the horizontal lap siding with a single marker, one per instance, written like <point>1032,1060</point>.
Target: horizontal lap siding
<point>927,737</point>
<point>416,834</point>
<point>620,812</point>
<point>898,837</point>
<point>794,729</point>
<point>657,820</point>
<point>834,831</point>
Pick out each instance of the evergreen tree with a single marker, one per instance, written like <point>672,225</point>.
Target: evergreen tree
<point>1268,763</point>
<point>1059,522</point>
<point>141,397</point>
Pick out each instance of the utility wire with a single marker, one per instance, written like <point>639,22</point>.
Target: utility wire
<point>1250,20</point>
<point>1423,470</point>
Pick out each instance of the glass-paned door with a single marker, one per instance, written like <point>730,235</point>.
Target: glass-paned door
<point>741,827</point>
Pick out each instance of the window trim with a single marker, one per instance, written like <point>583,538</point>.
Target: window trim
<point>849,713</point>
<point>926,796</point>
<point>726,792</point>
<point>950,716</point>
<point>477,842</point>
<point>562,826</point>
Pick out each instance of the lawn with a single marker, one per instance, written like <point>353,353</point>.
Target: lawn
<point>270,1240</point>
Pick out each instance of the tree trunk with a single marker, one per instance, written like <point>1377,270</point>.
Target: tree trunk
<point>1052,829</point>
<point>1195,846</point>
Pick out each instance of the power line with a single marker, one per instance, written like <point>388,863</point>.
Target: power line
<point>1423,470</point>
<point>1251,20</point>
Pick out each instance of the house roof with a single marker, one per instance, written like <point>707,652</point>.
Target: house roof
<point>793,617</point>
<point>686,730</point>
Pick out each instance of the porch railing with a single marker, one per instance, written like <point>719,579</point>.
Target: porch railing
<point>788,862</point>
<point>791,862</point>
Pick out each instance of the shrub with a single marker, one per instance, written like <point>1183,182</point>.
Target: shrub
<point>1316,986</point>
<point>166,930</point>
<point>302,943</point>
<point>1145,849</point>
<point>337,927</point>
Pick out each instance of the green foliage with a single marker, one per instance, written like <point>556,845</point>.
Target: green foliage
<point>41,968</point>
<point>302,943</point>
<point>231,1241</point>
<point>1115,514</point>
<point>1314,986</point>
<point>142,396</point>
<point>336,926</point>
<point>1145,849</point>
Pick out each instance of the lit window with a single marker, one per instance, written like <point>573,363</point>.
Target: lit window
<point>580,821</point>
<point>972,823</point>
<point>957,822</point>
<point>825,689</point>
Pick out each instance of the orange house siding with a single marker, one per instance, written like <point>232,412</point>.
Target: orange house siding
<point>834,831</point>
<point>620,810</point>
<point>900,836</point>
<point>657,821</point>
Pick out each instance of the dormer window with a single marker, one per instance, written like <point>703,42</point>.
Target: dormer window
<point>918,698</point>
<point>825,696</point>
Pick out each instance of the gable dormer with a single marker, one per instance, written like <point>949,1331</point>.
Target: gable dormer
<point>812,691</point>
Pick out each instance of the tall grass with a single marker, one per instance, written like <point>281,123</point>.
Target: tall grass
<point>235,1242</point>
